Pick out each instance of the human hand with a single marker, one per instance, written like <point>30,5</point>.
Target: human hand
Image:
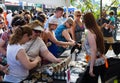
<point>38,58</point>
<point>91,73</point>
<point>65,46</point>
<point>5,69</point>
<point>58,60</point>
<point>105,24</point>
<point>73,43</point>
<point>78,44</point>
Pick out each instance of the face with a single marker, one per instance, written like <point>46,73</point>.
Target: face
<point>1,23</point>
<point>59,14</point>
<point>53,26</point>
<point>26,38</point>
<point>35,33</point>
<point>78,16</point>
<point>68,25</point>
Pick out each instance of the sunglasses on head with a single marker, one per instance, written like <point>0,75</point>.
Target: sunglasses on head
<point>37,31</point>
<point>20,21</point>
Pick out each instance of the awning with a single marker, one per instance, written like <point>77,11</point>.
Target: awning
<point>50,2</point>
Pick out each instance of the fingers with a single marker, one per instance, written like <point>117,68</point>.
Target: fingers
<point>5,69</point>
<point>91,74</point>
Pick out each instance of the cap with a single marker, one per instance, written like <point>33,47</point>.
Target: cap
<point>53,21</point>
<point>38,28</point>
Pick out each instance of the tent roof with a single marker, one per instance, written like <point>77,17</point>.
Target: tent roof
<point>48,2</point>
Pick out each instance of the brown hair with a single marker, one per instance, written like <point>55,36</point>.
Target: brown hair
<point>91,24</point>
<point>59,9</point>
<point>34,24</point>
<point>111,13</point>
<point>18,20</point>
<point>18,34</point>
<point>69,20</point>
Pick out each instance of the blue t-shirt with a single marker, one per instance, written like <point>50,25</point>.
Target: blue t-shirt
<point>58,34</point>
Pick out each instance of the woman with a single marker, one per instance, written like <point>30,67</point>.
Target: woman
<point>2,25</point>
<point>16,21</point>
<point>19,63</point>
<point>51,40</point>
<point>78,28</point>
<point>36,47</point>
<point>62,34</point>
<point>94,46</point>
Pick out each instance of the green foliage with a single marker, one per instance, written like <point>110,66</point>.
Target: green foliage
<point>118,13</point>
<point>87,5</point>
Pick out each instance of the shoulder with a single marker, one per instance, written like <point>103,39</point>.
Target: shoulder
<point>91,35</point>
<point>5,35</point>
<point>74,23</point>
<point>47,32</point>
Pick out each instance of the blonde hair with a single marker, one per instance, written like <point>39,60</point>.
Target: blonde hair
<point>77,12</point>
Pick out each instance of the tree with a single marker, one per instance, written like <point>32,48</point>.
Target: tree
<point>96,8</point>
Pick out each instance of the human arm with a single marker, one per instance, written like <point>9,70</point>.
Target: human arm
<point>67,36</point>
<point>4,69</point>
<point>2,50</point>
<point>49,56</point>
<point>45,53</point>
<point>59,43</point>
<point>93,49</point>
<point>73,31</point>
<point>24,60</point>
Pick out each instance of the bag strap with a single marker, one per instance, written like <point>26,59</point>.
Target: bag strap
<point>30,46</point>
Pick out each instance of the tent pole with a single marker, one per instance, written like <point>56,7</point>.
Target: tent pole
<point>101,11</point>
<point>67,5</point>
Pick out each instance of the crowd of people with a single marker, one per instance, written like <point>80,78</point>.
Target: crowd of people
<point>30,39</point>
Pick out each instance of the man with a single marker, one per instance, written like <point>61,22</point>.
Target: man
<point>58,13</point>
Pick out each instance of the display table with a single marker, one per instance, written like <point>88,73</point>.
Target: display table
<point>51,72</point>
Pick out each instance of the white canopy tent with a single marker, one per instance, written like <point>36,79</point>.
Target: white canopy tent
<point>55,3</point>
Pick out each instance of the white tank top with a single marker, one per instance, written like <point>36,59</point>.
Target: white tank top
<point>16,69</point>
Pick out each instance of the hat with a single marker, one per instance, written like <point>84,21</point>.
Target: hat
<point>53,21</point>
<point>9,11</point>
<point>38,28</point>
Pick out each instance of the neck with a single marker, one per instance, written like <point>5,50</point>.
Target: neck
<point>50,29</point>
<point>56,16</point>
<point>34,37</point>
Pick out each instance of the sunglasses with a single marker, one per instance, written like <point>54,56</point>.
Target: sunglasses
<point>70,24</point>
<point>30,38</point>
<point>1,22</point>
<point>78,15</point>
<point>36,31</point>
